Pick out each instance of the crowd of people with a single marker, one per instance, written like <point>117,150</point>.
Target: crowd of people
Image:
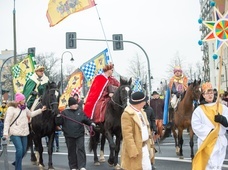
<point>141,122</point>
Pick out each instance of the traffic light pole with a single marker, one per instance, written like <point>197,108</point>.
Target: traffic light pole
<point>148,62</point>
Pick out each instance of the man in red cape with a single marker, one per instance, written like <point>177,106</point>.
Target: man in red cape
<point>100,93</point>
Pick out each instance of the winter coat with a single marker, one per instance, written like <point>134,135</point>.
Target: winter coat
<point>132,140</point>
<point>72,122</point>
<point>158,107</point>
<point>20,126</point>
<point>150,117</point>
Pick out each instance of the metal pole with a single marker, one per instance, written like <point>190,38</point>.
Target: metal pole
<point>14,34</point>
<point>226,77</point>
<point>1,74</point>
<point>72,59</point>
<point>148,62</point>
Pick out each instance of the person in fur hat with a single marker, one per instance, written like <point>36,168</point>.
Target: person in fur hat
<point>16,126</point>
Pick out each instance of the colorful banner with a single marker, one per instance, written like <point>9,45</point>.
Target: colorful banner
<point>21,72</point>
<point>95,66</point>
<point>60,9</point>
<point>137,85</point>
<point>74,86</point>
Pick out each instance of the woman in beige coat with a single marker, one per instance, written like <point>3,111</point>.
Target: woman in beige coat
<point>137,146</point>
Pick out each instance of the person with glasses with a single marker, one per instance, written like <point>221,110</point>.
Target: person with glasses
<point>35,86</point>
<point>209,123</point>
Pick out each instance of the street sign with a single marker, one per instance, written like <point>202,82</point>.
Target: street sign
<point>71,40</point>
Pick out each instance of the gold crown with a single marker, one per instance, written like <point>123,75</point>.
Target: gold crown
<point>206,86</point>
<point>39,67</point>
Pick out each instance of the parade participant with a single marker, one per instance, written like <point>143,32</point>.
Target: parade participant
<point>80,102</point>
<point>72,121</point>
<point>209,123</point>
<point>136,134</point>
<point>178,84</point>
<point>158,106</point>
<point>35,86</point>
<point>16,126</point>
<point>3,109</point>
<point>100,92</point>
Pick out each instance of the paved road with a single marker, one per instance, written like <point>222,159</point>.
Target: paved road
<point>166,160</point>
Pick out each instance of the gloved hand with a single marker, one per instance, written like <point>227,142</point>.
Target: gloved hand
<point>95,127</point>
<point>34,93</point>
<point>221,119</point>
<point>93,124</point>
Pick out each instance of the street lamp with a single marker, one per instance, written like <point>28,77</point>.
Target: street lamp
<point>72,59</point>
<point>225,72</point>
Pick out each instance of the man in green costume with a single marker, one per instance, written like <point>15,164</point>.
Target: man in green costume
<point>35,86</point>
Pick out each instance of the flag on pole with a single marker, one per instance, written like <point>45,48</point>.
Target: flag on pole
<point>137,85</point>
<point>21,72</point>
<point>95,66</point>
<point>60,9</point>
<point>74,86</point>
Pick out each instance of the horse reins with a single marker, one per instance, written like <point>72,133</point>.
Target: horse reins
<point>91,131</point>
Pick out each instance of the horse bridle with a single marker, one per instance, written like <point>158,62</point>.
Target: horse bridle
<point>52,103</point>
<point>122,106</point>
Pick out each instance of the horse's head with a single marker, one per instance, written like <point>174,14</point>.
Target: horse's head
<point>196,89</point>
<point>51,97</point>
<point>124,91</point>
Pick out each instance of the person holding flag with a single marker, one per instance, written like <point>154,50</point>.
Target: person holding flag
<point>100,92</point>
<point>35,86</point>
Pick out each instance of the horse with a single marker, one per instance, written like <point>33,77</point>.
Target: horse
<point>44,124</point>
<point>111,125</point>
<point>181,118</point>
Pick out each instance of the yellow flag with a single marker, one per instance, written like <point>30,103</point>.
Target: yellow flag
<point>21,73</point>
<point>60,9</point>
<point>74,86</point>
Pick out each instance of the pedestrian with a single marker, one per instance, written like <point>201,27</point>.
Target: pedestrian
<point>79,101</point>
<point>3,109</point>
<point>209,123</point>
<point>35,86</point>
<point>158,106</point>
<point>138,150</point>
<point>100,93</point>
<point>72,121</point>
<point>16,126</point>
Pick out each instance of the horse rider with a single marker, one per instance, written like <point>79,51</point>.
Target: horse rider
<point>178,84</point>
<point>35,87</point>
<point>100,92</point>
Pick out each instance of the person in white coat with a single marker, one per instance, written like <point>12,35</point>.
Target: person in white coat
<point>209,123</point>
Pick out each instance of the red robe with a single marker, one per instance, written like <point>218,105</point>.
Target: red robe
<point>98,97</point>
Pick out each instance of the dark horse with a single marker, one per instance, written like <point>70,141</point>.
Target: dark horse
<point>44,125</point>
<point>182,117</point>
<point>112,125</point>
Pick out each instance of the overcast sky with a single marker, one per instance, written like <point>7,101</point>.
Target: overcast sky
<point>161,28</point>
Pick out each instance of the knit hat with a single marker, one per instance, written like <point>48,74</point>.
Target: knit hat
<point>19,97</point>
<point>138,97</point>
<point>72,101</point>
<point>155,93</point>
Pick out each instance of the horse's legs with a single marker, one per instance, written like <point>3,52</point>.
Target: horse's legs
<point>117,149</point>
<point>50,151</point>
<point>40,150</point>
<point>180,141</point>
<point>191,143</point>
<point>175,139</point>
<point>102,159</point>
<point>94,140</point>
<point>111,154</point>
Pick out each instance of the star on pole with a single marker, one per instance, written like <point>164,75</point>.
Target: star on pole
<point>219,29</point>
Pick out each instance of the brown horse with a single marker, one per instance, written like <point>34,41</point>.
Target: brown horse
<point>181,118</point>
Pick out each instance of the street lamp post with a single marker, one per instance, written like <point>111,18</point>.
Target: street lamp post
<point>72,59</point>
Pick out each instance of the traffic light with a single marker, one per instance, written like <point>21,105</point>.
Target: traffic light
<point>117,41</point>
<point>70,40</point>
<point>32,51</point>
